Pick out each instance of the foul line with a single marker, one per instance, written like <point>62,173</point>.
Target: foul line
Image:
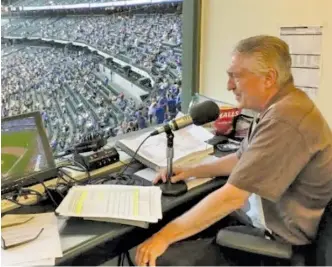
<point>17,161</point>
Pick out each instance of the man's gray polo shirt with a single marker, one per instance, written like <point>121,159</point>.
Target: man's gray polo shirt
<point>289,164</point>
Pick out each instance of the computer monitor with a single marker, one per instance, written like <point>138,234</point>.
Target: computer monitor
<point>26,156</point>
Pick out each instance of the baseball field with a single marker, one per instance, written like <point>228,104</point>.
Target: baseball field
<point>17,151</point>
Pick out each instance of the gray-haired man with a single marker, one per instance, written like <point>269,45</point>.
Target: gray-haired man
<point>286,161</point>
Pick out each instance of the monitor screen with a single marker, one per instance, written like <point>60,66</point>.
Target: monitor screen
<point>25,149</point>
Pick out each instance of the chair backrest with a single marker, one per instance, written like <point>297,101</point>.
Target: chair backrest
<point>323,243</point>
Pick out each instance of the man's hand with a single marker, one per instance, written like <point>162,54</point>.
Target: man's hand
<point>150,250</point>
<point>180,174</point>
<point>220,167</point>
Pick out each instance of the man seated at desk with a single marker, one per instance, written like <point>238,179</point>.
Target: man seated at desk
<point>285,161</point>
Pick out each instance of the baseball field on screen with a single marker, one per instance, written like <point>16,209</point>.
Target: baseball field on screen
<point>17,151</point>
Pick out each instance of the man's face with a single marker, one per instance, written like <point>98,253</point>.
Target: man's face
<point>247,86</point>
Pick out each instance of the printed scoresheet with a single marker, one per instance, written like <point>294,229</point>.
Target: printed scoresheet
<point>305,44</point>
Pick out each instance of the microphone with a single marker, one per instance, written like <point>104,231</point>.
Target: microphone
<point>200,114</point>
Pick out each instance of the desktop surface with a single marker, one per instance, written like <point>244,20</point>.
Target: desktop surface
<point>79,237</point>
<point>122,179</point>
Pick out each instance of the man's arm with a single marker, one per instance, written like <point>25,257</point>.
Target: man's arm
<point>211,209</point>
<point>221,167</point>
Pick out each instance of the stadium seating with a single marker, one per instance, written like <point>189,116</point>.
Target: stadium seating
<point>67,86</point>
<point>56,2</point>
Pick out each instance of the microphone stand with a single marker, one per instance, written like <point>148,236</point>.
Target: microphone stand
<point>168,188</point>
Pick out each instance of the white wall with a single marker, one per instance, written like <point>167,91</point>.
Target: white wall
<point>225,22</point>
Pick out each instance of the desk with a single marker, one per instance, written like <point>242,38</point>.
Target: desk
<point>78,236</point>
<point>80,176</point>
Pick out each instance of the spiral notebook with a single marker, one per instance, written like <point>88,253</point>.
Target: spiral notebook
<point>189,143</point>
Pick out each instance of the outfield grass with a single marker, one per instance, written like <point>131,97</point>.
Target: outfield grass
<point>7,162</point>
<point>24,139</point>
<point>18,139</point>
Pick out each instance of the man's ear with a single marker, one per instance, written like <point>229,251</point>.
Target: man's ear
<point>271,78</point>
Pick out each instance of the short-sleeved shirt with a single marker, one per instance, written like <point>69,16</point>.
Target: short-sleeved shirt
<point>287,161</point>
<point>171,103</point>
<point>160,114</point>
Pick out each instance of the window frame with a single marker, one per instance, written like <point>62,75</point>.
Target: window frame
<point>191,38</point>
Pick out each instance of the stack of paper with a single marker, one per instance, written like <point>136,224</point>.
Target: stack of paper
<point>189,142</point>
<point>133,205</point>
<point>41,251</point>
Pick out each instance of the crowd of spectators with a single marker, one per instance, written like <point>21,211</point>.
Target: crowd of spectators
<point>67,86</point>
<point>56,2</point>
<point>141,39</point>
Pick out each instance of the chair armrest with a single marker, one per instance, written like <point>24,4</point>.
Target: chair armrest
<point>254,244</point>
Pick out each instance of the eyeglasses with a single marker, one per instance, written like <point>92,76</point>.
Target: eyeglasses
<point>5,245</point>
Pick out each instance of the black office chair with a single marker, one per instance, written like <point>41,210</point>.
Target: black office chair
<point>318,253</point>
